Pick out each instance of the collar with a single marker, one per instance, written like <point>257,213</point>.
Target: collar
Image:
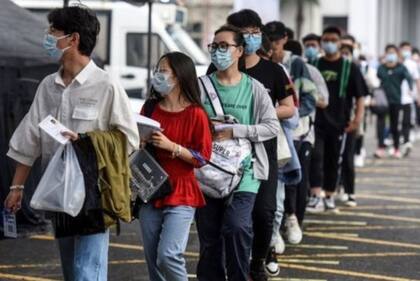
<point>81,77</point>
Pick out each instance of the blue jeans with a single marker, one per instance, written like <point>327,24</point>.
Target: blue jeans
<point>165,235</point>
<point>225,233</point>
<point>278,217</point>
<point>85,258</point>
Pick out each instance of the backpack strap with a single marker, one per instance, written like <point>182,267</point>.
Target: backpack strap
<point>149,107</point>
<point>212,94</point>
<point>344,79</point>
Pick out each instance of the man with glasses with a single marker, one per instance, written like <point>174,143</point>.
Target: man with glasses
<point>84,98</point>
<point>345,85</point>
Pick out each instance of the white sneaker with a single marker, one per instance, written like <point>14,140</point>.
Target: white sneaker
<point>272,267</point>
<point>351,202</point>
<point>279,246</point>
<point>330,204</point>
<point>359,161</point>
<point>406,149</point>
<point>315,205</point>
<point>342,197</point>
<point>293,232</point>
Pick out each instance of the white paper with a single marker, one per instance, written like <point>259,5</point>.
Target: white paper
<point>9,224</point>
<point>53,127</point>
<point>147,126</point>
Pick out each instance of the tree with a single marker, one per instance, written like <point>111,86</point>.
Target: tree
<point>300,15</point>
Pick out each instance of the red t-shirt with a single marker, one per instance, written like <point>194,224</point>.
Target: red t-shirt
<point>189,128</point>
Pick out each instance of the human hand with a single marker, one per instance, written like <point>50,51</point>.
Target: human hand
<point>161,141</point>
<point>70,135</point>
<point>13,200</point>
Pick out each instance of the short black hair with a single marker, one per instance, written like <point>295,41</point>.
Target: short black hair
<point>290,33</point>
<point>77,19</point>
<point>275,30</point>
<point>245,18</point>
<point>404,44</point>
<point>312,37</point>
<point>332,29</point>
<point>347,46</point>
<point>294,46</point>
<point>265,46</point>
<point>349,37</point>
<point>416,50</point>
<point>391,46</point>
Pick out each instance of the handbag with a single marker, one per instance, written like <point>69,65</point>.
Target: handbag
<point>283,150</point>
<point>223,172</point>
<point>379,104</point>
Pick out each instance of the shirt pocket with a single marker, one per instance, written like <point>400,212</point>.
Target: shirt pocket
<point>85,113</point>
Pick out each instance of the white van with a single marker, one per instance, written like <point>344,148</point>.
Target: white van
<point>122,42</point>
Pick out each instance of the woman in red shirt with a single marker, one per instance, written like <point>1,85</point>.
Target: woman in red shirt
<point>184,144</point>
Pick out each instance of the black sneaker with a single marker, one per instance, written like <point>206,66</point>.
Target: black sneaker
<point>257,271</point>
<point>271,264</point>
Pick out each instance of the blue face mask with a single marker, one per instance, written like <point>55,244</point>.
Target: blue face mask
<point>391,58</point>
<point>252,43</point>
<point>161,83</point>
<point>50,45</point>
<point>406,54</point>
<point>329,47</point>
<point>222,60</point>
<point>311,53</point>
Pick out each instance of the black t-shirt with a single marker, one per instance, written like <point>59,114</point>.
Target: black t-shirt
<point>278,85</point>
<point>338,112</point>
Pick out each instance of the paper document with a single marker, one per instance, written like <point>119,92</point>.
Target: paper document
<point>9,224</point>
<point>146,126</point>
<point>53,127</point>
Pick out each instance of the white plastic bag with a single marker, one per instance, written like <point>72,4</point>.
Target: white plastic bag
<point>62,187</point>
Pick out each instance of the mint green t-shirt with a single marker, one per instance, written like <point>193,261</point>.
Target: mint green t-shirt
<point>237,100</point>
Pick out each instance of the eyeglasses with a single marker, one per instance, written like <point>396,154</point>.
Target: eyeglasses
<point>252,34</point>
<point>222,47</point>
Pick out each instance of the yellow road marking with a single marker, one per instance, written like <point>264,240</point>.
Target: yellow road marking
<point>312,221</point>
<point>353,255</point>
<point>23,277</point>
<point>326,247</point>
<point>390,198</point>
<point>114,245</point>
<point>35,265</point>
<point>346,273</point>
<point>273,278</point>
<point>363,240</point>
<point>307,261</point>
<point>379,216</point>
<point>368,227</point>
<point>382,207</point>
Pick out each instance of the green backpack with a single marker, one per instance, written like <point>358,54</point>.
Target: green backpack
<point>345,75</point>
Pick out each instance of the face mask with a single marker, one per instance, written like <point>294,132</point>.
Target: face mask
<point>161,84</point>
<point>252,43</point>
<point>391,58</point>
<point>222,60</point>
<point>311,53</point>
<point>356,53</point>
<point>50,45</point>
<point>330,47</point>
<point>406,54</point>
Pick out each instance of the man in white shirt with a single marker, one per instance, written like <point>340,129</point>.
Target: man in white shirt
<point>408,97</point>
<point>83,98</point>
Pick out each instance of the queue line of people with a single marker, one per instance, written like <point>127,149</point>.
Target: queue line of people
<point>272,87</point>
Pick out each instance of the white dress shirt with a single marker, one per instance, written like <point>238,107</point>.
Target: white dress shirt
<point>92,101</point>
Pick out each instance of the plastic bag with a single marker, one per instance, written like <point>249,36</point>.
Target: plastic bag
<point>62,187</point>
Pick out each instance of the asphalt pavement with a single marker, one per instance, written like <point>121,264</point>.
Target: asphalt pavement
<point>377,240</point>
